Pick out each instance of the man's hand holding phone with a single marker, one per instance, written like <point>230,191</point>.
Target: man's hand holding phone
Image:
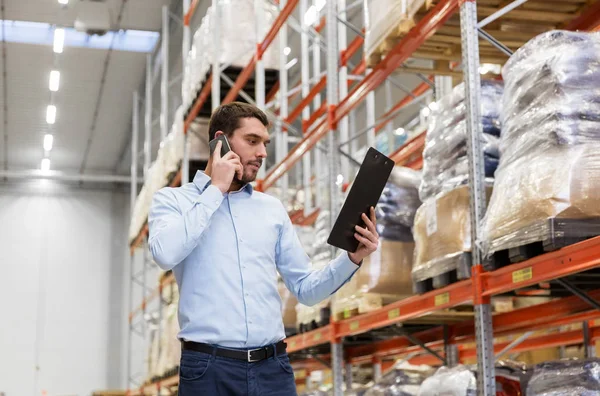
<point>225,168</point>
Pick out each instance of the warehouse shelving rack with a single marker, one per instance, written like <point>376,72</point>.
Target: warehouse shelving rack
<point>452,343</point>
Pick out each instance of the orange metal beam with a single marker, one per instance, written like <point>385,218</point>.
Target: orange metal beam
<point>351,49</point>
<point>310,339</point>
<point>588,20</point>
<point>188,16</point>
<point>425,28</point>
<point>198,104</point>
<point>409,150</point>
<point>419,90</point>
<point>306,101</point>
<point>240,82</point>
<point>566,261</point>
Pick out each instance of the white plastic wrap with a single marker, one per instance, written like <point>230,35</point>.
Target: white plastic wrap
<point>445,161</point>
<point>236,46</point>
<point>388,19</point>
<point>550,143</point>
<point>455,381</point>
<point>402,380</point>
<point>566,378</point>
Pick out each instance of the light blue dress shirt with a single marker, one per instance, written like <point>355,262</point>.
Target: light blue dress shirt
<point>225,251</point>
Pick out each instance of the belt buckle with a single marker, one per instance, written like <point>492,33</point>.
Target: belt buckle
<point>250,360</point>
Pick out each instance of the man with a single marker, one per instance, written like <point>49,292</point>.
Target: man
<point>225,243</point>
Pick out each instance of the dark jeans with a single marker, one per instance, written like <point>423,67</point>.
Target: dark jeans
<point>207,374</point>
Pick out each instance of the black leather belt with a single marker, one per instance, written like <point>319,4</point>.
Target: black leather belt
<point>248,355</point>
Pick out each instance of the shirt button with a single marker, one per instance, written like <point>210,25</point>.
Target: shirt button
<point>247,294</point>
<point>250,322</point>
<point>216,202</point>
<point>241,240</point>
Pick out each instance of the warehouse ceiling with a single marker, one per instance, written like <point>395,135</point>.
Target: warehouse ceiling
<point>94,99</point>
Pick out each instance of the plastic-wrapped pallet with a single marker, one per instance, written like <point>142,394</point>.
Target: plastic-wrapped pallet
<point>384,276</point>
<point>455,381</point>
<point>402,380</point>
<point>442,233</point>
<point>388,19</point>
<point>236,46</point>
<point>445,160</point>
<point>565,378</point>
<point>550,144</point>
<point>170,346</point>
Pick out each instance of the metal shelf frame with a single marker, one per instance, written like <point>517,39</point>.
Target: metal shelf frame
<point>334,118</point>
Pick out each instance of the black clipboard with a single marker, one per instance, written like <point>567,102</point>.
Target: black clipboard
<point>364,194</point>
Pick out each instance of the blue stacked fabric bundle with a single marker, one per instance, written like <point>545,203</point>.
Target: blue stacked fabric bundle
<point>398,204</point>
<point>445,155</point>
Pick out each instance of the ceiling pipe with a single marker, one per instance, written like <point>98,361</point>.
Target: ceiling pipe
<point>61,176</point>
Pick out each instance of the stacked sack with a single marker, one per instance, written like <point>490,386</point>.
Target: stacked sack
<point>442,229</point>
<point>385,275</point>
<point>455,381</point>
<point>565,378</point>
<point>168,161</point>
<point>236,46</point>
<point>550,144</point>
<point>388,19</point>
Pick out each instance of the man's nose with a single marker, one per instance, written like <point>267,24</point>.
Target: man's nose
<point>262,151</point>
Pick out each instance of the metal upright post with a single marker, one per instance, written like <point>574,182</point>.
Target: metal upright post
<point>483,315</point>
<point>333,141</point>
<point>164,74</point>
<point>148,117</point>
<point>377,371</point>
<point>443,86</point>
<point>370,101</point>
<point>135,130</point>
<point>348,378</point>
<point>282,138</point>
<point>186,45</point>
<point>343,86</point>
<point>259,15</point>
<point>305,71</point>
<point>388,106</point>
<point>590,348</point>
<point>216,67</point>
<point>354,142</point>
<point>316,49</point>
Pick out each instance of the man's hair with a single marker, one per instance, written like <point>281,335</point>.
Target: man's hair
<point>227,117</point>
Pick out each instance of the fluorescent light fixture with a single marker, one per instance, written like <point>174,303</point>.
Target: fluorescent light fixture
<point>287,51</point>
<point>48,141</point>
<point>59,40</point>
<point>399,132</point>
<point>63,2</point>
<point>45,165</point>
<point>51,114</point>
<point>320,4</point>
<point>54,80</point>
<point>311,16</point>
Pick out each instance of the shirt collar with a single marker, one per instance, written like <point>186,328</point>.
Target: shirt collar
<point>202,180</point>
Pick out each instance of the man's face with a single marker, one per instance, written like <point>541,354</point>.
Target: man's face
<point>250,141</point>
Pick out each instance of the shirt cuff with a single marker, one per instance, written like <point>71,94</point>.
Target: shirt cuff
<point>211,197</point>
<point>343,267</point>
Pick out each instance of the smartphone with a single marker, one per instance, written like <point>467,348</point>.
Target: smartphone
<point>225,148</point>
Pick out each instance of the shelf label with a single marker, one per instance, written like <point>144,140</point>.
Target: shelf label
<point>393,313</point>
<point>442,299</point>
<point>293,344</point>
<point>522,275</point>
<point>354,325</point>
<point>317,336</point>
<point>346,313</point>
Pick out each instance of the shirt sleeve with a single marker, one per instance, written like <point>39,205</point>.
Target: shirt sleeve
<point>173,234</point>
<point>309,286</point>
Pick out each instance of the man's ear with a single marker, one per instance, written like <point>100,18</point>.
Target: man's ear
<point>219,133</point>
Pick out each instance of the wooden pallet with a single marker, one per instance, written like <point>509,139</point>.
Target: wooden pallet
<point>559,233</point>
<point>513,29</point>
<point>461,269</point>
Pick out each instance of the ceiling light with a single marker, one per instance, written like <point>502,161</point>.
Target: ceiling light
<point>399,132</point>
<point>54,80</point>
<point>287,51</point>
<point>320,4</point>
<point>339,180</point>
<point>59,40</point>
<point>425,111</point>
<point>48,140</point>
<point>51,114</point>
<point>45,165</point>
<point>63,2</point>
